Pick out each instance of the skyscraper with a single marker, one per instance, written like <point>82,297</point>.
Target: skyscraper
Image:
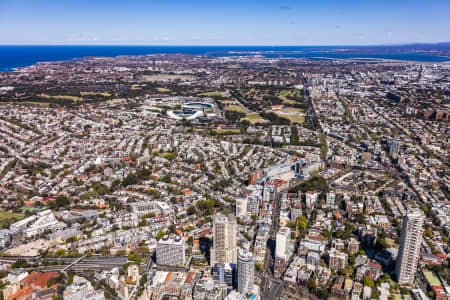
<point>410,241</point>
<point>246,271</point>
<point>224,231</point>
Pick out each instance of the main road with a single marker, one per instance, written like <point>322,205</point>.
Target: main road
<point>272,288</point>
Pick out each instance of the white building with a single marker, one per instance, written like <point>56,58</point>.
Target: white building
<point>225,245</point>
<point>268,192</point>
<point>133,273</point>
<point>410,242</point>
<point>253,204</point>
<point>15,276</point>
<point>39,223</point>
<point>283,247</point>
<point>245,271</point>
<point>309,244</point>
<point>241,207</point>
<point>170,251</point>
<point>81,289</point>
<point>330,199</point>
<point>311,198</point>
<point>145,207</point>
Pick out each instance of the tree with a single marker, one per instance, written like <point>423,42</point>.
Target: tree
<point>71,239</point>
<point>368,282</point>
<point>301,221</point>
<point>20,263</point>
<point>160,235</point>
<point>149,215</point>
<point>191,210</point>
<point>291,224</point>
<point>143,280</point>
<point>314,184</point>
<point>312,286</point>
<point>259,267</point>
<point>136,258</point>
<point>61,201</point>
<point>166,178</point>
<point>114,185</point>
<point>170,155</point>
<point>104,251</point>
<point>375,294</point>
<point>323,147</point>
<point>322,293</point>
<point>130,180</point>
<point>234,116</point>
<point>294,135</point>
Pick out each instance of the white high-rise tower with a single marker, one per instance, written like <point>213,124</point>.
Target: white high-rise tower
<point>283,246</point>
<point>245,271</point>
<point>225,245</point>
<point>410,243</point>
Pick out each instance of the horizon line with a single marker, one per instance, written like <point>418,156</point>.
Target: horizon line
<point>228,45</point>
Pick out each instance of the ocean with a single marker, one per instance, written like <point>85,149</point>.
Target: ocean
<point>12,57</point>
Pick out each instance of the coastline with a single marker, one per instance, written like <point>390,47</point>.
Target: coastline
<point>13,58</point>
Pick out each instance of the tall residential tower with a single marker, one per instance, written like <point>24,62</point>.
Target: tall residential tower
<point>246,271</point>
<point>410,242</point>
<point>225,245</point>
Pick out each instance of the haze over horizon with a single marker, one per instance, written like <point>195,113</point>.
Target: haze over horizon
<point>232,22</point>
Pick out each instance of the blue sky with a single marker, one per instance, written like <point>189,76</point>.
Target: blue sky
<point>191,22</point>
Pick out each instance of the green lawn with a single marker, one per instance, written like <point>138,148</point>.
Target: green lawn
<point>286,100</point>
<point>227,130</point>
<point>295,115</point>
<point>432,279</point>
<point>291,93</point>
<point>254,118</point>
<point>7,218</point>
<point>292,109</point>
<point>236,108</point>
<point>211,94</point>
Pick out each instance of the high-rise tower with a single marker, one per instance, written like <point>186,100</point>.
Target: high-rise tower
<point>410,243</point>
<point>225,246</point>
<point>246,271</point>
